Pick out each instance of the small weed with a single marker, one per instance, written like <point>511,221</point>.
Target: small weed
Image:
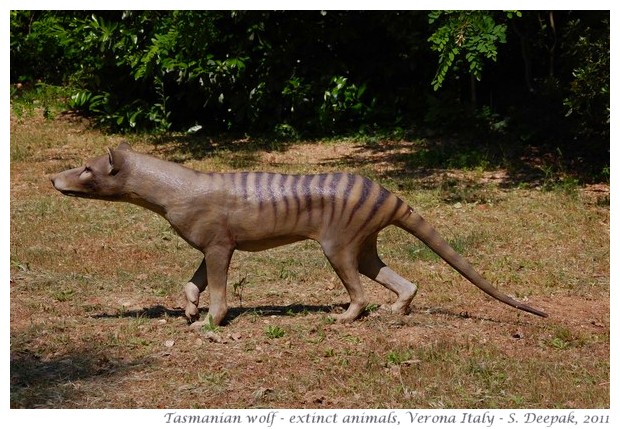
<point>210,326</point>
<point>371,308</point>
<point>558,343</point>
<point>238,288</point>
<point>160,292</point>
<point>563,338</point>
<point>396,357</point>
<point>274,332</point>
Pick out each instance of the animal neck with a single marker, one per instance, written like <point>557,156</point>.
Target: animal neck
<point>156,184</point>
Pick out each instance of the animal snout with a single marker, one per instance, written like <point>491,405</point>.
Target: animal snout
<point>53,178</point>
<point>57,181</point>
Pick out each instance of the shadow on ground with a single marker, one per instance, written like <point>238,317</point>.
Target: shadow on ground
<point>292,310</point>
<point>159,311</point>
<point>55,383</point>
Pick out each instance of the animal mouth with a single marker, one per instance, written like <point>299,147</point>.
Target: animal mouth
<point>75,194</point>
<point>67,192</point>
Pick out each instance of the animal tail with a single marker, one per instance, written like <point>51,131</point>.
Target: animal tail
<point>416,225</point>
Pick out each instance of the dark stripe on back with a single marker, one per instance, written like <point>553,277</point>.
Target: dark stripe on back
<point>244,184</point>
<point>347,193</point>
<point>282,194</point>
<point>295,194</point>
<point>272,196</point>
<point>307,191</point>
<point>399,204</point>
<point>366,186</point>
<point>322,191</point>
<point>382,198</point>
<point>383,195</point>
<point>258,190</point>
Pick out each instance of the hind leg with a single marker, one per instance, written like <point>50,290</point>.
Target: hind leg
<point>345,265</point>
<point>193,288</point>
<point>373,267</point>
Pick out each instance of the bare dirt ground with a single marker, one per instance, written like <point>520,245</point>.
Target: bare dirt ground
<point>97,319</point>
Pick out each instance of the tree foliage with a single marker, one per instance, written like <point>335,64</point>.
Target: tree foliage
<point>536,76</point>
<point>474,34</point>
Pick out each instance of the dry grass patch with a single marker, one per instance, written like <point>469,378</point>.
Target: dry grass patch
<point>96,309</point>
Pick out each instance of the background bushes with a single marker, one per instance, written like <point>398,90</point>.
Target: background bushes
<point>538,78</point>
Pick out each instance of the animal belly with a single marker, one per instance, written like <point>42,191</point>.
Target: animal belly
<point>267,243</point>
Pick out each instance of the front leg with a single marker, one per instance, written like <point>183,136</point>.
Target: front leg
<point>193,288</point>
<point>217,260</point>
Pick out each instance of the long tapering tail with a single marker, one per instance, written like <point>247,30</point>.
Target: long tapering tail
<point>416,225</point>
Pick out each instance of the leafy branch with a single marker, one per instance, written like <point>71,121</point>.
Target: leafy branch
<point>472,35</point>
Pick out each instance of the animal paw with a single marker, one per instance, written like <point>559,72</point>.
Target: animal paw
<point>400,308</point>
<point>192,295</point>
<point>197,325</point>
<point>191,312</point>
<point>343,318</point>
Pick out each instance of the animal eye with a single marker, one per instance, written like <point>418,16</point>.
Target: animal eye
<point>87,169</point>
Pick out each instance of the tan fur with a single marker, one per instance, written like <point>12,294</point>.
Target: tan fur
<point>218,213</point>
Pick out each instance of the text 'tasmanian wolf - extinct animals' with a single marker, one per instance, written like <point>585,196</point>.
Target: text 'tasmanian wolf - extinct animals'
<point>218,213</point>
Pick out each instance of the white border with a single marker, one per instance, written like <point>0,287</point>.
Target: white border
<point>156,418</point>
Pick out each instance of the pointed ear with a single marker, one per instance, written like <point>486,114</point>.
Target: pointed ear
<point>115,158</point>
<point>124,146</point>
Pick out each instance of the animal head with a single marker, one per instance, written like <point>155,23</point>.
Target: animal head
<point>100,178</point>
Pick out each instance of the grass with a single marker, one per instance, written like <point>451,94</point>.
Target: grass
<point>274,332</point>
<point>96,294</point>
